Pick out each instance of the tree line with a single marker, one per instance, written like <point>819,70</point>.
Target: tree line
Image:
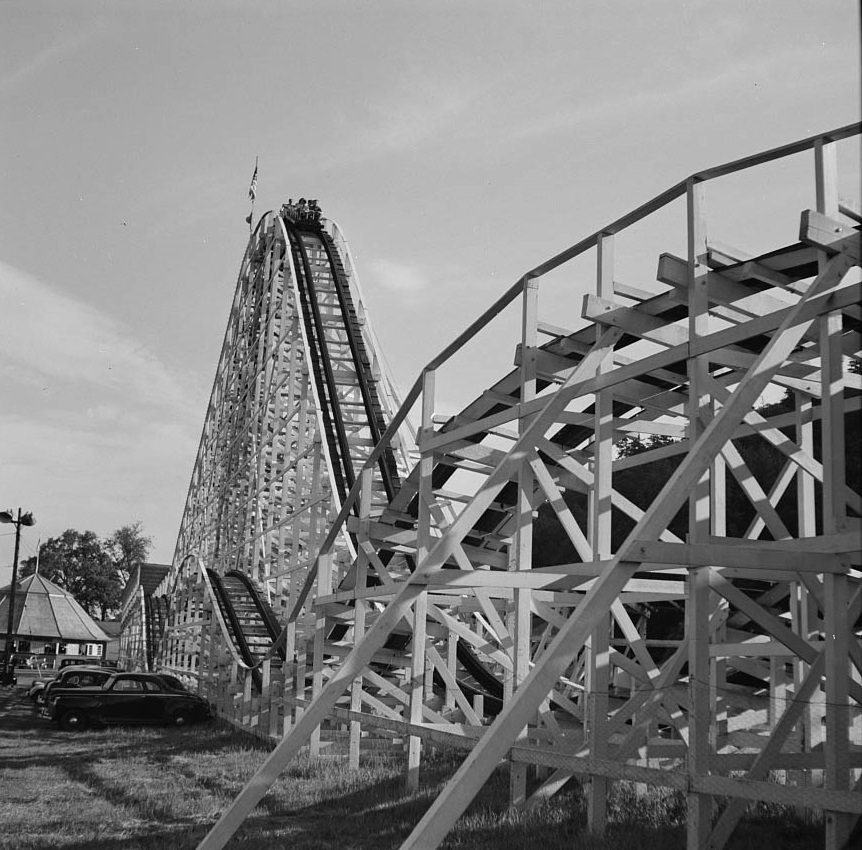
<point>643,483</point>
<point>93,570</point>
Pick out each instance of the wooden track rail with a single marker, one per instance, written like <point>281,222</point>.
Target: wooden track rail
<point>751,691</point>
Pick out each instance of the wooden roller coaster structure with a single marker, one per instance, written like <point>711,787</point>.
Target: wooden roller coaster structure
<point>340,581</point>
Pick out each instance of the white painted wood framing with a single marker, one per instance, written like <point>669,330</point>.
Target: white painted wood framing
<point>762,683</point>
<point>262,492</point>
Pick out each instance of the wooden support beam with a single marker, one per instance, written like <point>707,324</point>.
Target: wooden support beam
<point>700,519</point>
<point>424,542</point>
<point>742,553</point>
<point>599,547</point>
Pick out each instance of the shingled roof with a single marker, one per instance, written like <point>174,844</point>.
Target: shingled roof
<point>42,609</point>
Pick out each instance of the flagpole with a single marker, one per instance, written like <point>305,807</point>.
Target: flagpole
<point>252,194</point>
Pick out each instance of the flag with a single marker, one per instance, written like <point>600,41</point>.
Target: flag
<point>252,189</point>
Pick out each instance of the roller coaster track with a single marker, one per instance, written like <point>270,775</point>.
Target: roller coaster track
<point>410,602</point>
<point>155,619</point>
<point>249,623</point>
<point>333,336</point>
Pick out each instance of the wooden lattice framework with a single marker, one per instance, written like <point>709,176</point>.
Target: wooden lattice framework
<point>263,489</point>
<point>583,691</point>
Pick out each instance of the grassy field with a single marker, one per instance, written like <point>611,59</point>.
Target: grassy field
<point>160,789</point>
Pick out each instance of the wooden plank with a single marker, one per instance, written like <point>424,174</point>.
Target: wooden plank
<point>752,790</point>
<point>599,518</point>
<point>821,227</point>
<point>842,543</point>
<point>360,611</point>
<point>757,649</point>
<point>834,237</point>
<point>740,554</point>
<point>701,519</point>
<point>633,321</point>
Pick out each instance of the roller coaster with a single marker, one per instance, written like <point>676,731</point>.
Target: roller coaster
<point>342,581</point>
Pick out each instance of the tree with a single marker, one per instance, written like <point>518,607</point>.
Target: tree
<point>79,563</point>
<point>628,446</point>
<point>128,548</point>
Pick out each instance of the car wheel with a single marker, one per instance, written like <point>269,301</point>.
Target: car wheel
<point>180,719</point>
<point>73,721</point>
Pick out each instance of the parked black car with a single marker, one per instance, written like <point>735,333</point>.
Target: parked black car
<point>71,677</point>
<point>99,662</point>
<point>128,698</point>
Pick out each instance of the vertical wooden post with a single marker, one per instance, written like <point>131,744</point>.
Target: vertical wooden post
<point>812,728</point>
<point>276,705</point>
<point>262,721</point>
<point>324,588</point>
<point>420,604</point>
<point>836,626</point>
<point>301,672</point>
<point>207,682</point>
<point>230,689</point>
<point>288,678</point>
<point>359,611</point>
<point>697,606</point>
<point>520,619</point>
<point>778,692</point>
<point>598,647</point>
<point>245,717</point>
<point>451,663</point>
<point>718,606</point>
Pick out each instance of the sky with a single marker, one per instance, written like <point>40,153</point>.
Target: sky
<point>457,144</point>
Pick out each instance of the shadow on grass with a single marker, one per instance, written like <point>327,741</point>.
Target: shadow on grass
<point>160,744</point>
<point>319,804</point>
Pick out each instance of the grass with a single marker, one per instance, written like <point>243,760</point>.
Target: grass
<point>160,789</point>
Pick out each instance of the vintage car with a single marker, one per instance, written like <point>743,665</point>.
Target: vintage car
<point>127,698</point>
<point>38,686</point>
<point>70,677</point>
<point>99,662</point>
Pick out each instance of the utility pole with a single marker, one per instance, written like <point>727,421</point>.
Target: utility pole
<point>23,519</point>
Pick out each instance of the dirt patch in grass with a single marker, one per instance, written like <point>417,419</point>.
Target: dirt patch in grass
<point>162,789</point>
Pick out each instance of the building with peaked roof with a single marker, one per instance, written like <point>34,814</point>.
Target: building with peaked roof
<point>49,622</point>
<point>112,629</point>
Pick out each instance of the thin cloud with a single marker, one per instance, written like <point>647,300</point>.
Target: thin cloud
<point>111,427</point>
<point>52,341</point>
<point>102,474</point>
<point>418,112</point>
<point>407,283</point>
<point>629,105</point>
<point>397,277</point>
<point>53,54</point>
<point>406,118</point>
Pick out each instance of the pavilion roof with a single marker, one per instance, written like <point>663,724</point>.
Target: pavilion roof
<point>42,609</point>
